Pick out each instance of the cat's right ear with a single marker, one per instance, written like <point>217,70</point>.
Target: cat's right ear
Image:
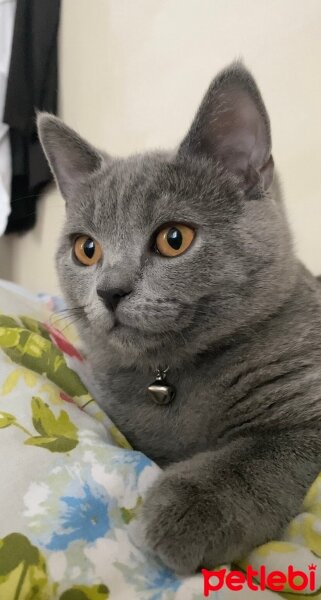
<point>70,157</point>
<point>232,127</point>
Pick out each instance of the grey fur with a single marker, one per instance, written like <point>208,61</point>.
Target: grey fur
<point>237,318</point>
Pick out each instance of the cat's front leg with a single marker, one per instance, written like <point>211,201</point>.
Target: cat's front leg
<point>219,505</point>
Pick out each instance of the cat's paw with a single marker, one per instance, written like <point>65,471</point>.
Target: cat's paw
<point>176,518</point>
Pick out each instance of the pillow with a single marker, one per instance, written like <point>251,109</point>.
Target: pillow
<point>72,486</point>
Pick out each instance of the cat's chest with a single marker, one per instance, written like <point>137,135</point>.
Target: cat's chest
<point>166,433</point>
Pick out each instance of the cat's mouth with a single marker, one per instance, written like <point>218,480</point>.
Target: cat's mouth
<point>118,325</point>
<point>121,330</point>
<point>122,323</point>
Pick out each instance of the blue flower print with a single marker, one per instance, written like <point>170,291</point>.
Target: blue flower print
<point>151,577</point>
<point>84,518</point>
<point>135,460</point>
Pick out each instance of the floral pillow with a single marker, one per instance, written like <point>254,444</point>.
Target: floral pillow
<point>72,486</point>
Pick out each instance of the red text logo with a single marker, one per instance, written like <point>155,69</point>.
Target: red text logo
<point>259,579</point>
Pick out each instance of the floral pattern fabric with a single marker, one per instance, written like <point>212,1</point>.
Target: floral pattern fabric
<point>72,485</point>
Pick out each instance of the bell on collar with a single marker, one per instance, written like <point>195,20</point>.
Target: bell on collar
<point>161,391</point>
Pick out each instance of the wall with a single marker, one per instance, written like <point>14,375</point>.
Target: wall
<point>133,73</point>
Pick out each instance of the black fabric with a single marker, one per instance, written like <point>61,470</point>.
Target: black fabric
<point>32,85</point>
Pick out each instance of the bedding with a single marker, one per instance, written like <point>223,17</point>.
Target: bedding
<point>71,486</point>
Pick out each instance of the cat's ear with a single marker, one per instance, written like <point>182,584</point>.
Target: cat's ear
<point>232,126</point>
<point>70,157</point>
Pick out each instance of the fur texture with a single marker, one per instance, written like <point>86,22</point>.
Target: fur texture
<point>236,318</point>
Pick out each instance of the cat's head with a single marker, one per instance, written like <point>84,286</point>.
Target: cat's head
<point>164,254</point>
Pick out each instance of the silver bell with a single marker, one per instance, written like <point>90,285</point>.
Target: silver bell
<point>160,391</point>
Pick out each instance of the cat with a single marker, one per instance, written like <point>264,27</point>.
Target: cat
<point>183,260</point>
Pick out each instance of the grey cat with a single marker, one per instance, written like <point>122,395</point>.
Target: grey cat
<point>184,260</point>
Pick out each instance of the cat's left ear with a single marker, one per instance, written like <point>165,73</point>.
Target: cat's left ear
<point>232,127</point>
<point>70,157</point>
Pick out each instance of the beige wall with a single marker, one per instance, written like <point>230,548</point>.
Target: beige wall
<point>133,73</point>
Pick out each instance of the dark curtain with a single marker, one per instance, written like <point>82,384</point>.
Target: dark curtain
<point>32,86</point>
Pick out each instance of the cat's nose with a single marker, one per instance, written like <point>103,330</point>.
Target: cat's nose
<point>111,297</point>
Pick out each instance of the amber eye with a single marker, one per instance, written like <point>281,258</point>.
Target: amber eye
<point>87,250</point>
<point>174,240</point>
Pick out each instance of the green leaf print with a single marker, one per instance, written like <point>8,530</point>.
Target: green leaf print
<point>57,434</point>
<point>6,321</point>
<point>9,338</point>
<point>6,420</point>
<point>58,363</point>
<point>35,345</point>
<point>23,573</point>
<point>35,326</point>
<point>119,438</point>
<point>128,514</point>
<point>46,423</point>
<point>14,549</point>
<point>38,353</point>
<point>54,444</point>
<point>83,592</point>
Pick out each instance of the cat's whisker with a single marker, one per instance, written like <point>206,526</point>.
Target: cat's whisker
<point>66,314</point>
<point>69,324</point>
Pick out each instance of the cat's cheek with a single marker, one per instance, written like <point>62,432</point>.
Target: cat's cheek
<point>100,320</point>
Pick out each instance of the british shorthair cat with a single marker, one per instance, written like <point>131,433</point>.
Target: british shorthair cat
<point>202,328</point>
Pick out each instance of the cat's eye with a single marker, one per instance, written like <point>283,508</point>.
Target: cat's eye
<point>87,250</point>
<point>174,240</point>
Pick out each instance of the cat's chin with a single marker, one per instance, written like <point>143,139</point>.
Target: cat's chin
<point>133,344</point>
